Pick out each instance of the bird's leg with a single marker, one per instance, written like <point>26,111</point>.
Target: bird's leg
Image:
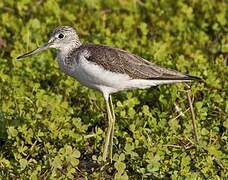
<point>113,127</point>
<point>107,138</point>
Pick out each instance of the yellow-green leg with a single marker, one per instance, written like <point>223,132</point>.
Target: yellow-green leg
<point>107,138</point>
<point>113,126</point>
<point>110,131</point>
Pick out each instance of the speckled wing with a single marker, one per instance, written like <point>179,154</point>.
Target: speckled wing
<point>119,61</point>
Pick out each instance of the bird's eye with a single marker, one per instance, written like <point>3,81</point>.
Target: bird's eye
<point>61,36</point>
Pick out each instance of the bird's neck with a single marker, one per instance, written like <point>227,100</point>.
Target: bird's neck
<point>69,47</point>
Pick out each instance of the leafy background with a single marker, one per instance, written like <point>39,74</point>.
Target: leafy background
<point>52,127</point>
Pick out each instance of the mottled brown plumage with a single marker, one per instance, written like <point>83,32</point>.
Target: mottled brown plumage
<point>120,61</point>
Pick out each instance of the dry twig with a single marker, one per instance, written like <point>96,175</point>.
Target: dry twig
<point>193,116</point>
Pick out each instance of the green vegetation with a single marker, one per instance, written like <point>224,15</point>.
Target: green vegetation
<point>52,127</point>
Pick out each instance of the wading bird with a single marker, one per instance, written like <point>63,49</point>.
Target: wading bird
<point>106,69</point>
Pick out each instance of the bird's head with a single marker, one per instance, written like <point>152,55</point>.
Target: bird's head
<point>63,38</point>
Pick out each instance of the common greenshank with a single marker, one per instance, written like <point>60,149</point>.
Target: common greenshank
<point>106,69</point>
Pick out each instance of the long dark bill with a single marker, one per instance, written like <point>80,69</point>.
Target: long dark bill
<point>35,51</point>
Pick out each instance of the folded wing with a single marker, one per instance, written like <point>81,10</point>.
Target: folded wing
<point>119,61</point>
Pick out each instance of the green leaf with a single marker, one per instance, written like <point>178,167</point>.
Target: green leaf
<point>23,163</point>
<point>57,162</point>
<point>76,153</point>
<point>120,166</point>
<point>12,132</point>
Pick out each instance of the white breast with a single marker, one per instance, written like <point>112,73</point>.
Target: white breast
<point>94,76</point>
